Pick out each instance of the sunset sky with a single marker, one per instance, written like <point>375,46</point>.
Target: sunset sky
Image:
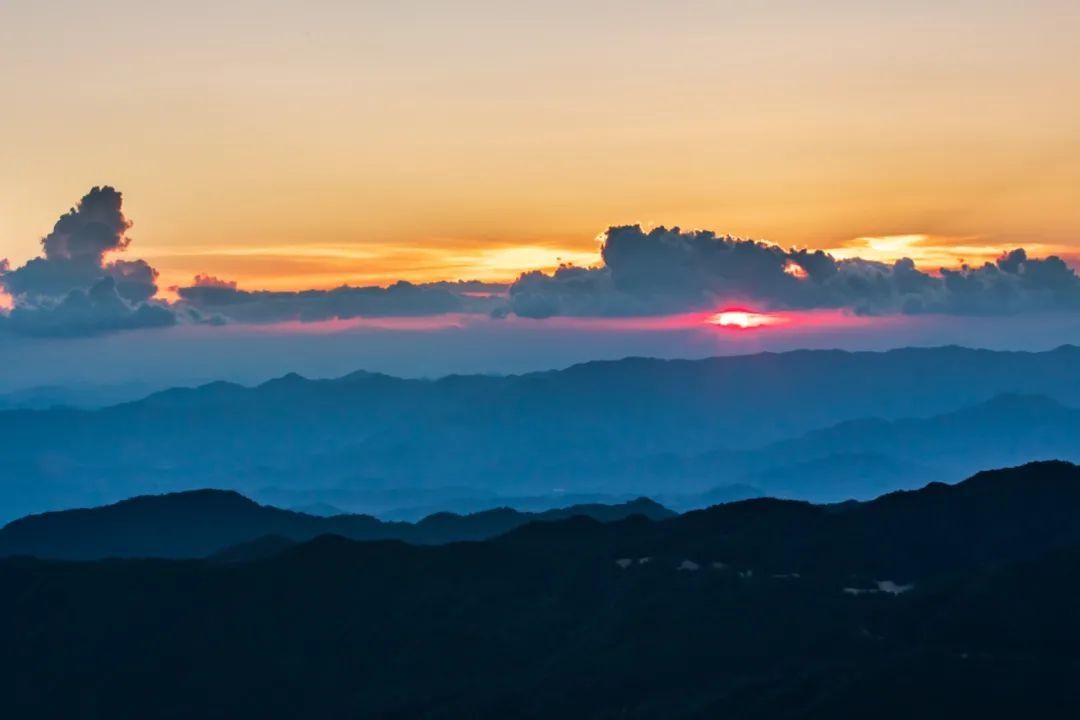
<point>301,146</point>
<point>306,144</point>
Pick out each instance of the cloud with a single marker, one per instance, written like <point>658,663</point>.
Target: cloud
<point>92,229</point>
<point>97,310</point>
<point>402,299</point>
<point>213,282</point>
<point>78,287</point>
<point>667,270</point>
<point>71,290</point>
<point>136,281</point>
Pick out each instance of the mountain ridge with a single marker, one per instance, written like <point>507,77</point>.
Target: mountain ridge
<point>589,368</point>
<point>200,523</point>
<point>947,601</point>
<point>630,427</point>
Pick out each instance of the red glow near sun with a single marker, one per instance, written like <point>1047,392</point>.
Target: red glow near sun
<point>742,319</point>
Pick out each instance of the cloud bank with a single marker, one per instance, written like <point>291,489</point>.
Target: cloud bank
<point>402,299</point>
<point>76,288</point>
<point>667,270</point>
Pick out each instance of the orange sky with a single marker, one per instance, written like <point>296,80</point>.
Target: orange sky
<point>288,145</point>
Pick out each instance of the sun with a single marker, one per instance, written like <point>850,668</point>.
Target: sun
<point>742,319</point>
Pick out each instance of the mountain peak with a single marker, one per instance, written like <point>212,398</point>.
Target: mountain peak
<point>291,379</point>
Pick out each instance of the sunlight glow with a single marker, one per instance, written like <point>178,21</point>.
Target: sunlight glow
<point>796,270</point>
<point>742,319</point>
<point>302,266</point>
<point>928,251</point>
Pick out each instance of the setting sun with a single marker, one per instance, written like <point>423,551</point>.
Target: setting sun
<point>742,319</point>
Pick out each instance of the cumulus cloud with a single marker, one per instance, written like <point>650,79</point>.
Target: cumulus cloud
<point>135,280</point>
<point>86,312</point>
<point>402,299</point>
<point>71,289</point>
<point>667,270</point>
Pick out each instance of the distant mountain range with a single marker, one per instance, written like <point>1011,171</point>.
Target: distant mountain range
<point>204,522</point>
<point>87,396</point>
<point>944,602</point>
<point>860,459</point>
<point>812,424</point>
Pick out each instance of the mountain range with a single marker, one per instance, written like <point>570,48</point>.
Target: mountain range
<point>943,602</point>
<point>819,425</point>
<point>206,522</point>
<point>79,395</point>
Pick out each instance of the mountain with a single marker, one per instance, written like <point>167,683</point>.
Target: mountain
<point>943,602</point>
<point>602,428</point>
<point>1005,424</point>
<point>990,518</point>
<point>80,395</point>
<point>320,509</point>
<point>863,458</point>
<point>202,522</point>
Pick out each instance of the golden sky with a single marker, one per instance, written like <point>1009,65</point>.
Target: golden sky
<point>293,144</point>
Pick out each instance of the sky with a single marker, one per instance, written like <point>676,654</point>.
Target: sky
<point>292,146</point>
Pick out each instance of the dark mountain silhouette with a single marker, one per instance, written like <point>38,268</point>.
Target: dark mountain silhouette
<point>944,602</point>
<point>201,522</point>
<point>261,548</point>
<point>320,509</point>
<point>634,426</point>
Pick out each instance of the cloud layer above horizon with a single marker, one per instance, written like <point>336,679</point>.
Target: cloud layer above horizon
<point>76,288</point>
<point>668,271</point>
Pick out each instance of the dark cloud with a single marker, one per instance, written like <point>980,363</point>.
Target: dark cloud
<point>136,281</point>
<point>97,310</point>
<point>71,290</point>
<point>95,227</point>
<point>402,299</point>
<point>666,270</point>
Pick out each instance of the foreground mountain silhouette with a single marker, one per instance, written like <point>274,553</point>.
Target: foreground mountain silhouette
<point>634,426</point>
<point>203,522</point>
<point>945,602</point>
